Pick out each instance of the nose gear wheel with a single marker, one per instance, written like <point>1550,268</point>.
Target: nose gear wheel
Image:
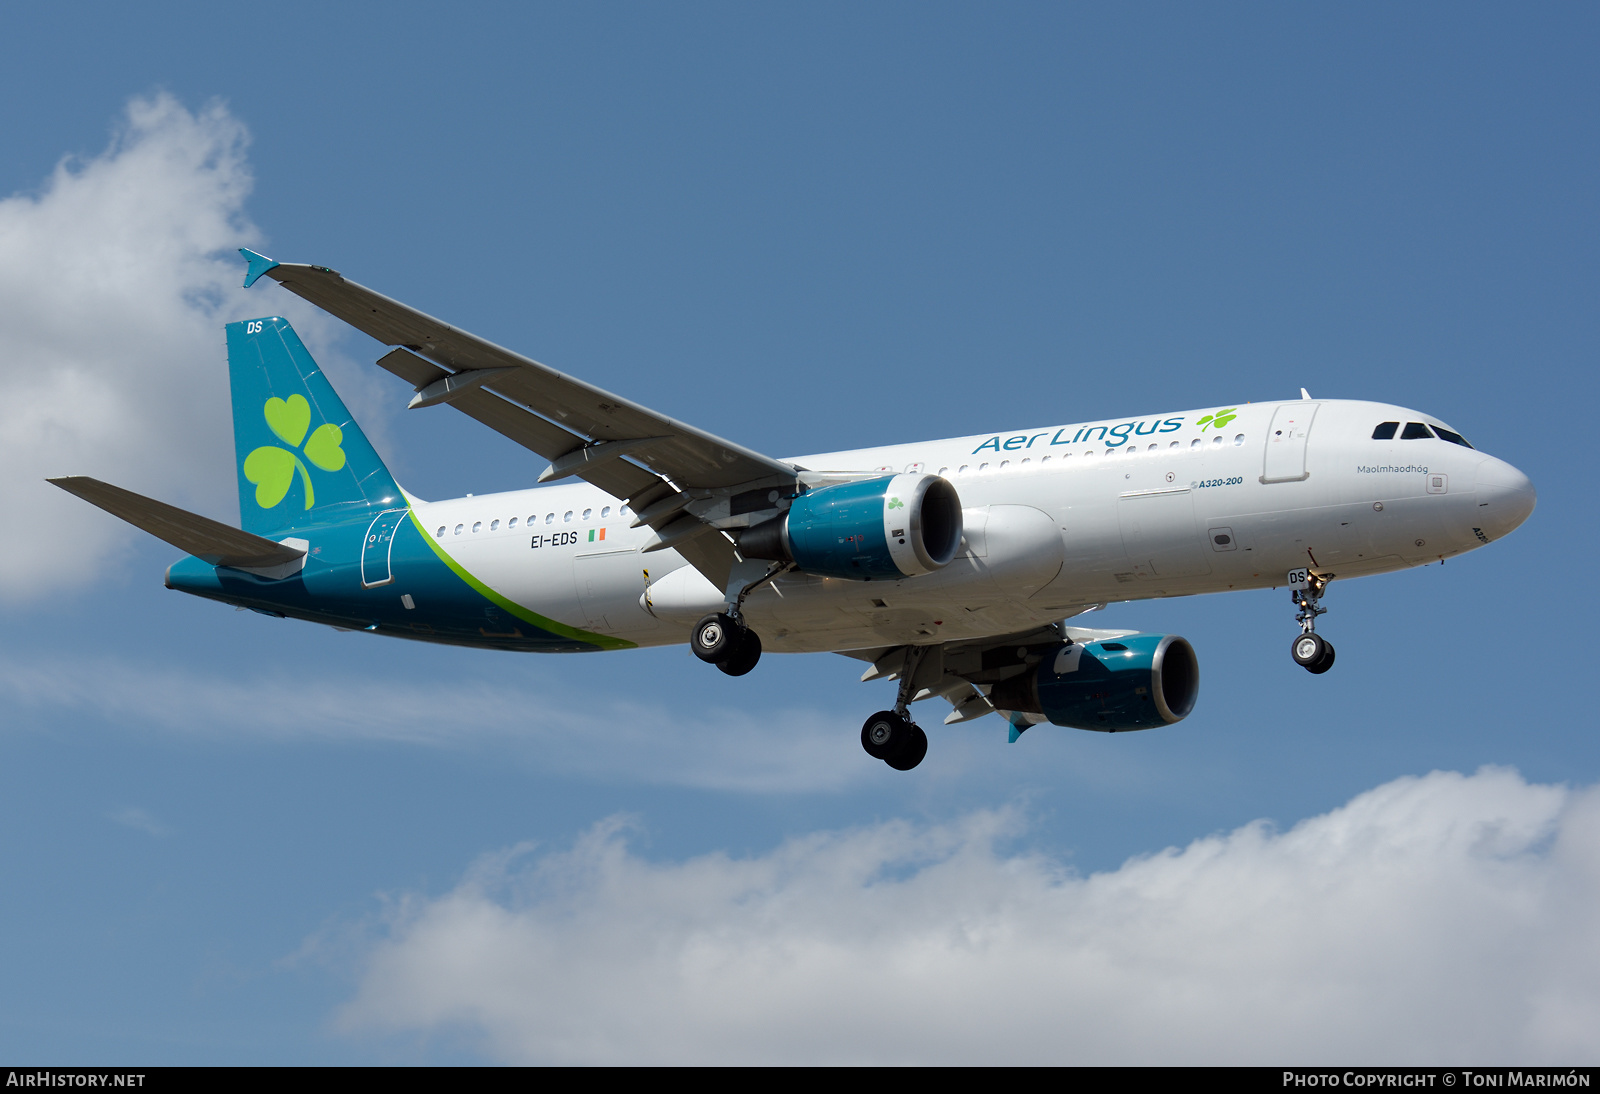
<point>1310,650</point>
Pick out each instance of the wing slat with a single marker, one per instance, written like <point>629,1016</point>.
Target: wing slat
<point>691,457</point>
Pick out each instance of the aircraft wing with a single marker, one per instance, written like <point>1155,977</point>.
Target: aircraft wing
<point>579,413</point>
<point>683,481</point>
<point>955,670</point>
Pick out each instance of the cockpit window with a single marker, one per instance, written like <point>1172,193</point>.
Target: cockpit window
<point>1415,431</point>
<point>1385,431</point>
<point>1453,438</point>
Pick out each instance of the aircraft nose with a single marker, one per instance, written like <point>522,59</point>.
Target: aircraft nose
<point>1505,497</point>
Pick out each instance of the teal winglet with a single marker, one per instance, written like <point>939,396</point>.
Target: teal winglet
<point>259,264</point>
<point>1019,726</point>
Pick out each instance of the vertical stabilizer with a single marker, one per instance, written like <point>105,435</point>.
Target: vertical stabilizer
<point>302,459</point>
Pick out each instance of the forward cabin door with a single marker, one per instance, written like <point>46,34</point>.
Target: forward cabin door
<point>1286,443</point>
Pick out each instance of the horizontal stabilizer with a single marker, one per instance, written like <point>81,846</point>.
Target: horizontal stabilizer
<point>208,540</point>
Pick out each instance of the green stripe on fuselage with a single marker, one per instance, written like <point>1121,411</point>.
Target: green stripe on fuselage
<point>605,642</point>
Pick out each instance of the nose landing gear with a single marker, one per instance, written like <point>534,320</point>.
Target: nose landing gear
<point>1310,650</point>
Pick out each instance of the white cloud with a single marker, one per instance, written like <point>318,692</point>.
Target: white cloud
<point>1447,918</point>
<point>116,278</point>
<point>603,740</point>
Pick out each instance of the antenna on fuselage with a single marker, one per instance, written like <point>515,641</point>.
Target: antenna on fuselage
<point>1306,395</point>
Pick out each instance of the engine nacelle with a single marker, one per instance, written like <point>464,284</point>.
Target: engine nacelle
<point>875,529</point>
<point>1134,682</point>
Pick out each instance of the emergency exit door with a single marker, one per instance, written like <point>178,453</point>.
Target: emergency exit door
<point>377,548</point>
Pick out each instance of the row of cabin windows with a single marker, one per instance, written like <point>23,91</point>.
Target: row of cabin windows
<point>1416,431</point>
<point>1132,450</point>
<point>549,518</point>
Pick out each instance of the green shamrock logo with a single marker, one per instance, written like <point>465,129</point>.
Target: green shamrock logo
<point>1219,419</point>
<point>896,503</point>
<point>272,468</point>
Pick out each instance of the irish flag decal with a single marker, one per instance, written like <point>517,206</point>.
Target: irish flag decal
<point>597,534</point>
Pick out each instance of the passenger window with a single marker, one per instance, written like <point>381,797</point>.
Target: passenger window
<point>1196,443</point>
<point>1238,440</point>
<point>459,527</point>
<point>494,526</point>
<point>605,513</point>
<point>944,472</point>
<point>549,518</point>
<point>1004,464</point>
<point>1453,438</point>
<point>477,525</point>
<point>587,513</point>
<point>568,518</point>
<point>512,523</point>
<point>983,467</point>
<point>1415,431</point>
<point>440,533</point>
<point>1385,431</point>
<point>962,470</point>
<point>1174,444</point>
<point>1215,441</point>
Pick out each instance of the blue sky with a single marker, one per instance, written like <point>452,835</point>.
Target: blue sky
<point>225,838</point>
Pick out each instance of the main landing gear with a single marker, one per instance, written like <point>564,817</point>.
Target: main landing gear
<point>894,739</point>
<point>1310,650</point>
<point>891,735</point>
<point>721,638</point>
<point>727,643</point>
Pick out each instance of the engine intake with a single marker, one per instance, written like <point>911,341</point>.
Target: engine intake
<point>1135,682</point>
<point>872,530</point>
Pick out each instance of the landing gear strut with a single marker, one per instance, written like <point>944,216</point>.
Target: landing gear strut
<point>722,638</point>
<point>891,735</point>
<point>1310,650</point>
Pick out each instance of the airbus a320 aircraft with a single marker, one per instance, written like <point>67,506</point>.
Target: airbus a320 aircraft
<point>949,566</point>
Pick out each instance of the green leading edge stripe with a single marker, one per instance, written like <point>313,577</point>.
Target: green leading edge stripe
<point>603,641</point>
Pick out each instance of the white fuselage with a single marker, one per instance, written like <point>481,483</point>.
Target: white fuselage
<point>1058,519</point>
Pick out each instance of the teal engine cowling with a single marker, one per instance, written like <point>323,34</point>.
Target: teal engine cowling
<point>881,529</point>
<point>1135,682</point>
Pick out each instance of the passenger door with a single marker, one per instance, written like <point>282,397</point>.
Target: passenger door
<point>1286,443</point>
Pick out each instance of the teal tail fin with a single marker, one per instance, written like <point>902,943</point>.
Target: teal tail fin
<point>302,459</point>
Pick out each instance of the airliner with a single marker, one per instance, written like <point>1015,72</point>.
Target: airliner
<point>952,568</point>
